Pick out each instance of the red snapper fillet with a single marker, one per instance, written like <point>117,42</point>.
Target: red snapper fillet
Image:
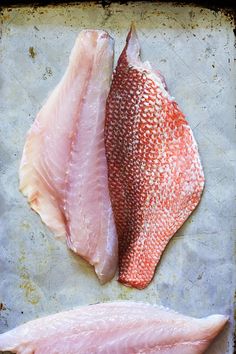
<point>63,171</point>
<point>155,174</point>
<point>119,327</point>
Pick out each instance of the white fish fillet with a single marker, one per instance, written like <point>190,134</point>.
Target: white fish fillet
<point>119,327</point>
<point>63,171</point>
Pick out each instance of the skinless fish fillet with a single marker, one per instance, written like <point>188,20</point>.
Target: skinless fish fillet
<point>119,327</point>
<point>63,171</point>
<point>155,175</point>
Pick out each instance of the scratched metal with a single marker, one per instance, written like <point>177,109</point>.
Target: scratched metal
<point>193,48</point>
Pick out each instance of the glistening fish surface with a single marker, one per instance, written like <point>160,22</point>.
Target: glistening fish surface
<point>63,170</point>
<point>155,174</point>
<point>118,327</point>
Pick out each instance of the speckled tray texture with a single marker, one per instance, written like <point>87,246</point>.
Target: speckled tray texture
<point>194,49</point>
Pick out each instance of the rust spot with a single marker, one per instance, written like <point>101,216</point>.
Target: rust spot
<point>26,284</point>
<point>6,17</point>
<point>32,52</point>
<point>2,307</point>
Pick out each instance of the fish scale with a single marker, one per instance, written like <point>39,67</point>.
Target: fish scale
<point>155,174</point>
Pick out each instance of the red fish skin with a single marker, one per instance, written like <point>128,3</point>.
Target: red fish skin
<point>155,174</point>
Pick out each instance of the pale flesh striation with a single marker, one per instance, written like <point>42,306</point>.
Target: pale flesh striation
<point>154,171</point>
<point>119,327</point>
<point>63,170</point>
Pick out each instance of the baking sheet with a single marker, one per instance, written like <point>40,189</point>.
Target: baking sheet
<point>194,49</point>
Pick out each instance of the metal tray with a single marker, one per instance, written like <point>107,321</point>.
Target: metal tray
<point>194,49</point>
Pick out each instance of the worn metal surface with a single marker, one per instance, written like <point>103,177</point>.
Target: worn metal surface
<point>193,48</point>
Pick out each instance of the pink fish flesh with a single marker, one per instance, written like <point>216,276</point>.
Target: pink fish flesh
<point>119,327</point>
<point>63,171</point>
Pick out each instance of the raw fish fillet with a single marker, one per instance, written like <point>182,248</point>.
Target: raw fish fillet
<point>154,171</point>
<point>63,170</point>
<point>119,327</point>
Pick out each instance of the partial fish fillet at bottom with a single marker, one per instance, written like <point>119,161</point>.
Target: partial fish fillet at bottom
<point>63,171</point>
<point>154,170</point>
<point>118,327</point>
